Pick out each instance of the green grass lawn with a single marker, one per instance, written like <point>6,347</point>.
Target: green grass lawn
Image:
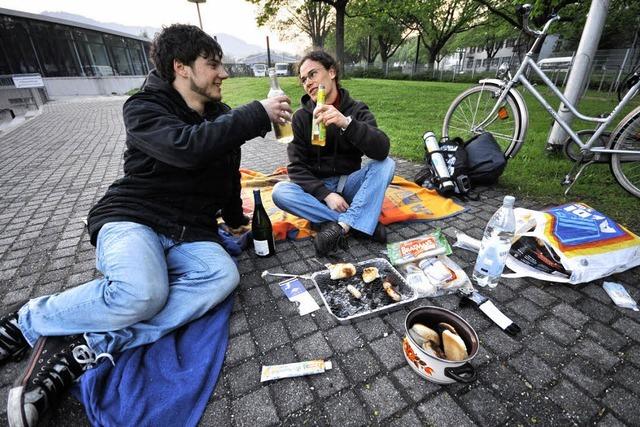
<point>406,109</point>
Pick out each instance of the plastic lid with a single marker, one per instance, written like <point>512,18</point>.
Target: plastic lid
<point>508,200</point>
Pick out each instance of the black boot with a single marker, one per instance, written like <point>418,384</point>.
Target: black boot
<point>379,234</point>
<point>330,238</point>
<point>56,362</point>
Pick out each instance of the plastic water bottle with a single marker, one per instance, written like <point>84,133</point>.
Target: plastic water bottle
<point>495,245</point>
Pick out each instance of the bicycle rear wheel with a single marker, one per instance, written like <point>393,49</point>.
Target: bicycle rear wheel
<point>473,106</point>
<point>626,167</point>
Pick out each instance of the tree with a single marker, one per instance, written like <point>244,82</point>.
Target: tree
<point>294,17</point>
<point>358,42</point>
<point>438,21</point>
<point>621,26</point>
<point>388,31</point>
<point>489,34</point>
<point>272,7</point>
<point>541,12</point>
<point>340,7</point>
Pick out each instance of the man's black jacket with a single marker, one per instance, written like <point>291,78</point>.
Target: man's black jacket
<point>180,168</point>
<point>342,154</point>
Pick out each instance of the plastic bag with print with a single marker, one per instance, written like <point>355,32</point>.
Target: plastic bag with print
<point>568,244</point>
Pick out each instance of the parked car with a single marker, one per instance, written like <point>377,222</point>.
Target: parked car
<point>259,70</point>
<point>282,69</point>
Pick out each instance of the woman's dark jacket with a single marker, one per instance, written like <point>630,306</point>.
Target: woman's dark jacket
<point>180,168</point>
<point>342,154</point>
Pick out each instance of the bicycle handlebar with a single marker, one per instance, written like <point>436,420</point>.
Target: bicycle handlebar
<point>524,10</point>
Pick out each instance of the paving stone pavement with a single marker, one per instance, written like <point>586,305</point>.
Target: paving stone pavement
<point>576,362</point>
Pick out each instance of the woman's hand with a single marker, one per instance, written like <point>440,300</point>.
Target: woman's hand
<point>329,115</point>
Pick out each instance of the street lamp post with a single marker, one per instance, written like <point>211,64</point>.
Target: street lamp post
<point>197,2</point>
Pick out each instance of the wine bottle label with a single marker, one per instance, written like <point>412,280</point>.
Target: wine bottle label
<point>261,247</point>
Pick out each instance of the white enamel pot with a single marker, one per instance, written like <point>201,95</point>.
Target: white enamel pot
<point>433,368</point>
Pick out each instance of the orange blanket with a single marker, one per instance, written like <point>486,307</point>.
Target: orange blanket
<point>403,201</point>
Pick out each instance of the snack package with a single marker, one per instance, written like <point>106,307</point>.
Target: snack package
<point>435,276</point>
<point>418,248</point>
<point>620,296</point>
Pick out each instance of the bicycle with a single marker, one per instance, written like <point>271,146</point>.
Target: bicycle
<point>496,106</point>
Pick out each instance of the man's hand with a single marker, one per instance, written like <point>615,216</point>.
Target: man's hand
<point>336,202</point>
<point>278,108</point>
<point>329,115</point>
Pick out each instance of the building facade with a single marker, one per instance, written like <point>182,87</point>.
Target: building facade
<point>73,58</point>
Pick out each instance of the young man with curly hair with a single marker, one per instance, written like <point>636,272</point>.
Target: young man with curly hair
<point>155,229</point>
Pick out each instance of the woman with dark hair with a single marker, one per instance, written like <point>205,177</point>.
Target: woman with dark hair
<point>328,183</point>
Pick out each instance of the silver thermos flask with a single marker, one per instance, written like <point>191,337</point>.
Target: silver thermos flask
<point>440,166</point>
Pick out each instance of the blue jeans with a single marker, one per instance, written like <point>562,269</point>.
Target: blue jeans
<point>151,286</point>
<point>364,191</point>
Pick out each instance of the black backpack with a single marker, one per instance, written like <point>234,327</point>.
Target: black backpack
<point>479,161</point>
<point>485,159</point>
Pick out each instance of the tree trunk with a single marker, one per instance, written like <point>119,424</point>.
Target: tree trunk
<point>340,12</point>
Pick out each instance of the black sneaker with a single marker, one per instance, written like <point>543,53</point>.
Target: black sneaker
<point>379,234</point>
<point>56,362</point>
<point>330,238</point>
<point>13,345</point>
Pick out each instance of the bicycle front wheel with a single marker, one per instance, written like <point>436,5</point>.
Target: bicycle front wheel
<point>469,113</point>
<point>626,167</point>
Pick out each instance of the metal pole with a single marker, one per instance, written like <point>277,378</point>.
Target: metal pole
<point>604,73</point>
<point>199,18</point>
<point>268,54</point>
<point>415,62</point>
<point>624,62</point>
<point>581,66</point>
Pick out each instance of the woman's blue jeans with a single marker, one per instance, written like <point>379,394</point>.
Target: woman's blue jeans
<point>151,286</point>
<point>364,191</point>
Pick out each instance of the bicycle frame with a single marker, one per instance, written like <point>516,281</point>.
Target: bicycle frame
<point>520,77</point>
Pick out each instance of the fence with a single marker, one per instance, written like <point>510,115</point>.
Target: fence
<point>608,71</point>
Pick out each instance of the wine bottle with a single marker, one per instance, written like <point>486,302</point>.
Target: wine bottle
<point>261,228</point>
<point>319,132</point>
<point>283,131</point>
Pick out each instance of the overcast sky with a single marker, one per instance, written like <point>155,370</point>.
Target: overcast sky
<point>235,17</point>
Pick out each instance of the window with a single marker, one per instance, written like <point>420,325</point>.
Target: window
<point>469,62</point>
<point>93,53</point>
<point>136,54</point>
<point>478,62</point>
<point>117,49</point>
<point>55,49</point>
<point>16,47</point>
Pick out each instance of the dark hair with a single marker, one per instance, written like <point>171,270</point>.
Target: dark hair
<point>324,58</point>
<point>184,43</point>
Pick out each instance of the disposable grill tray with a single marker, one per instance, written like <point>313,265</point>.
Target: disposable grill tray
<point>345,307</point>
